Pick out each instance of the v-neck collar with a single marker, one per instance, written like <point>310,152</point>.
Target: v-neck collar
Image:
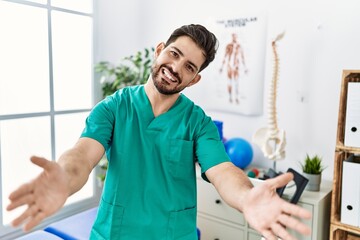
<point>148,114</point>
<point>149,106</point>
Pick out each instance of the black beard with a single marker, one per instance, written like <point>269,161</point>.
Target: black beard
<point>159,84</point>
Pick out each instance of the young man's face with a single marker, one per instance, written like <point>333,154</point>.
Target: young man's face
<point>176,66</point>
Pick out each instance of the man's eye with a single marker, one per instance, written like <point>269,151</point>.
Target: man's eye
<point>173,53</point>
<point>190,68</point>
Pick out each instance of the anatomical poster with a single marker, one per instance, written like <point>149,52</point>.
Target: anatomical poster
<point>235,80</point>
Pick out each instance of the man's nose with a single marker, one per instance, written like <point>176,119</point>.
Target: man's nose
<point>177,66</point>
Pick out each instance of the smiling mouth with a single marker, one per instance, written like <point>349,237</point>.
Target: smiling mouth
<point>169,76</point>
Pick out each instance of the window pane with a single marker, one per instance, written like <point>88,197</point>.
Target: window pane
<point>79,5</point>
<point>72,49</point>
<point>24,75</point>
<point>19,140</point>
<point>68,128</point>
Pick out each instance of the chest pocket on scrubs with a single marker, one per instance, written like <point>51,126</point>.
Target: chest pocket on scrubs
<point>181,158</point>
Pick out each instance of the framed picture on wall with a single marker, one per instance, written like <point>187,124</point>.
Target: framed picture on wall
<point>236,77</point>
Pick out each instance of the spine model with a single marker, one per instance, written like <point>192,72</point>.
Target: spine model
<point>271,139</point>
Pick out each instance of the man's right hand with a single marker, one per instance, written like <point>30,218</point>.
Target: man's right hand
<point>43,196</point>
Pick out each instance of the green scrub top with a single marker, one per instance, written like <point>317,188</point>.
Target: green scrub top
<point>150,187</point>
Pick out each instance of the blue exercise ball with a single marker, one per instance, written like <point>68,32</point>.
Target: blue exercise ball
<point>239,151</point>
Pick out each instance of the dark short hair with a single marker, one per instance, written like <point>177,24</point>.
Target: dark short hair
<point>205,39</point>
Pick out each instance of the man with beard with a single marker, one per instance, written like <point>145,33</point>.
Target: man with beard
<point>152,136</point>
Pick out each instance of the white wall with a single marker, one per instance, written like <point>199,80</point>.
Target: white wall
<point>322,38</point>
<point>117,29</point>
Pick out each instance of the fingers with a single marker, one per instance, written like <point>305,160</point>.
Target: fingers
<point>29,212</point>
<point>34,221</point>
<point>41,162</point>
<point>33,215</point>
<point>282,214</point>
<point>280,180</point>
<point>294,210</point>
<point>28,187</point>
<point>277,231</point>
<point>20,197</point>
<point>295,224</point>
<point>281,232</point>
<point>269,235</point>
<point>297,211</point>
<point>279,228</point>
<point>24,194</point>
<point>29,194</point>
<point>21,191</point>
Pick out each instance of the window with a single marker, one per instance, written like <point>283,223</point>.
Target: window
<point>45,91</point>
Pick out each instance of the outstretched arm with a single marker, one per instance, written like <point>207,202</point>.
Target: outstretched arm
<point>47,193</point>
<point>263,209</point>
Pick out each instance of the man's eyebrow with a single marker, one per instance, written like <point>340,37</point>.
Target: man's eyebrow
<point>182,54</point>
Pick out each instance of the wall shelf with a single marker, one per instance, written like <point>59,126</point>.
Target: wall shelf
<point>339,230</point>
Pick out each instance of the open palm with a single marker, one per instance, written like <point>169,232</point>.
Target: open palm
<point>269,214</point>
<point>43,196</point>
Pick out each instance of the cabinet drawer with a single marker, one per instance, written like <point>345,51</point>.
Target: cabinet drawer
<point>209,202</point>
<point>213,230</point>
<point>254,236</point>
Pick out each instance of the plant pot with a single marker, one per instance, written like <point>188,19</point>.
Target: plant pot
<point>314,182</point>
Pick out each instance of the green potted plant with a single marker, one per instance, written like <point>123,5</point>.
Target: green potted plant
<point>131,70</point>
<point>312,169</point>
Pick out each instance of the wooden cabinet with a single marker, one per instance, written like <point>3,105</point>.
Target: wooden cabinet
<point>339,230</point>
<point>218,221</point>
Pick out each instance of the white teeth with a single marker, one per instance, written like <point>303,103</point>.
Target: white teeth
<point>169,76</point>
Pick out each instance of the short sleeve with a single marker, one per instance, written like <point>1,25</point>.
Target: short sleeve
<point>99,124</point>
<point>210,150</point>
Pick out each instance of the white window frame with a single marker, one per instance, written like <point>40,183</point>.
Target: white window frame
<point>8,232</point>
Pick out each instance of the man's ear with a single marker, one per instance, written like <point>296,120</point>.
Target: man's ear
<point>195,80</point>
<point>158,49</point>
